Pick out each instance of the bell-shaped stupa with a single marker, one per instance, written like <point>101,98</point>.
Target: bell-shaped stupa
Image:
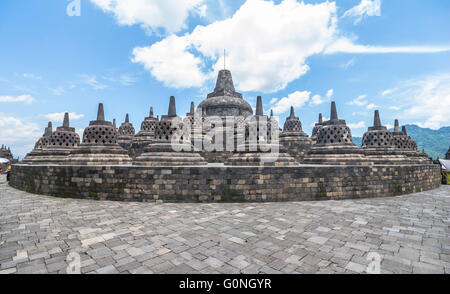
<point>335,145</point>
<point>316,129</point>
<point>171,145</point>
<point>126,134</point>
<point>294,138</point>
<point>379,144</point>
<point>99,146</point>
<point>145,135</point>
<point>256,147</point>
<point>225,101</point>
<point>61,143</point>
<point>40,144</point>
<point>408,146</point>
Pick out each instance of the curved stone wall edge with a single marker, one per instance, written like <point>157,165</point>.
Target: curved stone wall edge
<point>224,184</point>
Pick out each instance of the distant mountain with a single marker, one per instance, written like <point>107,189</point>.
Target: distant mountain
<point>435,142</point>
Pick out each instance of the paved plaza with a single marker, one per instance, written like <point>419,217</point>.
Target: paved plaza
<point>409,233</point>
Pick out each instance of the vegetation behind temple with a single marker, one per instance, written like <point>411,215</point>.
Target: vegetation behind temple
<point>435,142</point>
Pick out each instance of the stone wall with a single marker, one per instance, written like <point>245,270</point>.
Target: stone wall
<point>224,184</point>
<point>296,150</point>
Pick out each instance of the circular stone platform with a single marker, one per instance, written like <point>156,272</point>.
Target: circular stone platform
<point>225,184</point>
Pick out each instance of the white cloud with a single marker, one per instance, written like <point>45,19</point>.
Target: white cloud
<point>273,100</point>
<point>266,50</point>
<point>317,99</point>
<point>19,134</point>
<point>127,79</point>
<point>363,9</point>
<point>359,125</point>
<point>387,92</point>
<point>330,93</point>
<point>359,101</point>
<point>360,113</point>
<point>170,15</point>
<point>124,79</point>
<point>427,99</point>
<point>92,81</point>
<point>32,76</point>
<point>349,63</point>
<point>345,45</point>
<point>371,106</point>
<point>170,62</point>
<point>268,45</point>
<point>57,91</point>
<point>59,116</point>
<point>394,108</point>
<point>296,99</point>
<point>27,99</point>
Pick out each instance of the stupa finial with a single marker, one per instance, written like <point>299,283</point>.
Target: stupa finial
<point>271,113</point>
<point>151,111</point>
<point>404,131</point>
<point>334,115</point>
<point>396,126</point>
<point>66,120</point>
<point>292,114</point>
<point>114,123</point>
<point>100,113</point>
<point>259,106</point>
<point>127,118</point>
<point>172,108</point>
<point>48,130</point>
<point>320,118</point>
<point>376,119</point>
<point>192,110</point>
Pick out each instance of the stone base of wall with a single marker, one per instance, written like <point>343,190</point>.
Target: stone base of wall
<point>216,157</point>
<point>224,184</point>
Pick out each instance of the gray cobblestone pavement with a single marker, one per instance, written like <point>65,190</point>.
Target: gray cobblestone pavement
<point>410,234</point>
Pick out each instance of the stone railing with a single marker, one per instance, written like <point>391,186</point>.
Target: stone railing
<point>224,184</point>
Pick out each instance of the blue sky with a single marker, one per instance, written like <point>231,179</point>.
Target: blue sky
<point>371,54</point>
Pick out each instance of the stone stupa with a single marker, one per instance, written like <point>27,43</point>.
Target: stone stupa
<point>294,138</point>
<point>126,134</point>
<point>407,146</point>
<point>5,152</point>
<point>60,144</point>
<point>379,144</point>
<point>225,101</point>
<point>40,145</point>
<point>99,146</point>
<point>145,135</point>
<point>171,145</point>
<point>316,129</point>
<point>335,145</point>
<point>255,148</point>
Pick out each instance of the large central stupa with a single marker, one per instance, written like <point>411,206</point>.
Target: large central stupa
<point>225,101</point>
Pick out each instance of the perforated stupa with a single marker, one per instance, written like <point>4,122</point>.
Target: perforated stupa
<point>99,146</point>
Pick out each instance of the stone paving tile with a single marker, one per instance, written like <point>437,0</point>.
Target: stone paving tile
<point>410,234</point>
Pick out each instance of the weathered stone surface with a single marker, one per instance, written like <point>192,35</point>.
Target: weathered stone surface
<point>335,145</point>
<point>224,184</point>
<point>99,146</point>
<point>407,146</point>
<point>126,134</point>
<point>145,135</point>
<point>171,145</point>
<point>410,234</point>
<point>59,146</point>
<point>225,101</point>
<point>379,145</point>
